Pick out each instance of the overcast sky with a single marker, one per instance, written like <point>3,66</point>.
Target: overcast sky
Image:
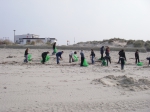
<point>84,20</point>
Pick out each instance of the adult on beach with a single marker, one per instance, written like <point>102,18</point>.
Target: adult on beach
<point>82,57</point>
<point>44,54</point>
<point>71,56</point>
<point>119,57</point>
<point>26,55</point>
<point>107,57</point>
<point>137,56</point>
<point>58,55</point>
<point>102,52</point>
<point>54,47</point>
<point>92,56</point>
<point>122,59</point>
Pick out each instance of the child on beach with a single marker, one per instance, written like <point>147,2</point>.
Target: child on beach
<point>44,54</point>
<point>92,56</point>
<point>82,57</point>
<point>26,55</point>
<point>58,55</point>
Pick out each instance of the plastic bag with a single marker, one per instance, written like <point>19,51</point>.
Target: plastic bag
<point>75,58</point>
<point>104,62</point>
<point>140,64</point>
<point>85,63</point>
<point>55,50</point>
<point>29,57</point>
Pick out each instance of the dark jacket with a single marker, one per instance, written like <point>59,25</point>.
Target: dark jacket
<point>82,54</point>
<point>26,52</point>
<point>122,54</point>
<point>92,54</point>
<point>59,54</point>
<point>54,45</point>
<point>44,54</point>
<point>107,52</point>
<point>136,54</point>
<point>102,49</point>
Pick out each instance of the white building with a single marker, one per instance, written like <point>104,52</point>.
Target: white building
<point>27,38</point>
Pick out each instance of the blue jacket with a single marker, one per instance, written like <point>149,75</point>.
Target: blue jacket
<point>59,54</point>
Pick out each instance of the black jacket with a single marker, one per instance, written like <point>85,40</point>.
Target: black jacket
<point>54,45</point>
<point>122,54</point>
<point>136,54</point>
<point>44,54</point>
<point>92,54</point>
<point>26,52</point>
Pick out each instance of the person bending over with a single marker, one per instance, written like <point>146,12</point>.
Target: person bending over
<point>44,54</point>
<point>58,55</point>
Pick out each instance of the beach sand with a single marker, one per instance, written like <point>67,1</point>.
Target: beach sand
<point>36,87</point>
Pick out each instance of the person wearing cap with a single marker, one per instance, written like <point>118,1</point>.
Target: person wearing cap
<point>44,54</point>
<point>58,55</point>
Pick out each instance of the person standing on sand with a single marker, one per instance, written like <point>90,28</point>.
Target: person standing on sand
<point>107,57</point>
<point>58,55</point>
<point>82,57</point>
<point>92,56</point>
<point>54,46</point>
<point>102,52</point>
<point>26,55</point>
<point>122,59</point>
<point>119,57</point>
<point>137,56</point>
<point>44,54</point>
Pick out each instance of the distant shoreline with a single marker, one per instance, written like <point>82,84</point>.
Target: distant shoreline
<point>129,49</point>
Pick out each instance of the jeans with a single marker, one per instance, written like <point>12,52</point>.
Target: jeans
<point>101,55</point>
<point>122,63</point>
<point>108,59</point>
<point>70,58</point>
<point>57,57</point>
<point>92,59</point>
<point>26,58</point>
<point>82,60</point>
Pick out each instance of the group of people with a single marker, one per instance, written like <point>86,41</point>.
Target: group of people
<point>107,58</point>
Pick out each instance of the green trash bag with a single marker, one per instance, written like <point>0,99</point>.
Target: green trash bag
<point>29,57</point>
<point>85,63</point>
<point>75,58</point>
<point>140,64</point>
<point>55,50</point>
<point>104,63</point>
<point>47,58</point>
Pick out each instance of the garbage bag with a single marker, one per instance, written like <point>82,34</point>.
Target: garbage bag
<point>85,63</point>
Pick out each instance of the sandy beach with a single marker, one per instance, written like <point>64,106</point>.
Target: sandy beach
<point>36,87</point>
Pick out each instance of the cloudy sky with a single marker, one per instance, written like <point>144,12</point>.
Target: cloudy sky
<point>84,20</point>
